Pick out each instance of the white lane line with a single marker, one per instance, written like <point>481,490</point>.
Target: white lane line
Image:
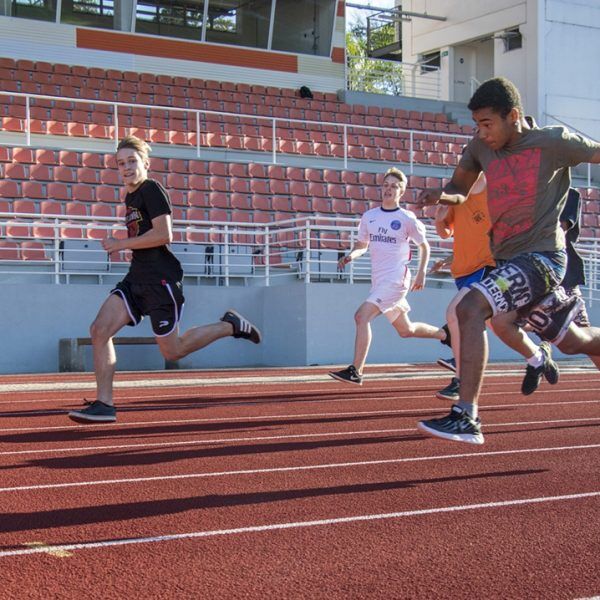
<point>299,524</point>
<point>239,381</point>
<point>362,463</point>
<point>286,416</point>
<point>273,437</point>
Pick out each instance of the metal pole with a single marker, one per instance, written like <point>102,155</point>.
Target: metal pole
<point>274,158</point>
<point>27,122</point>
<point>345,146</point>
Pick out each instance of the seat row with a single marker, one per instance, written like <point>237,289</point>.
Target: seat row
<point>237,113</point>
<point>50,79</point>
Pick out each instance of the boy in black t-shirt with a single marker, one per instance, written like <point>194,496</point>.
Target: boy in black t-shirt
<point>153,285</point>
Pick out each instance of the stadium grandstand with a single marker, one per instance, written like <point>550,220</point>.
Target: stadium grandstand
<point>270,144</point>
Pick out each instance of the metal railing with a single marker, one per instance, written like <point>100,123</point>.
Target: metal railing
<point>394,78</point>
<point>215,253</point>
<point>274,124</point>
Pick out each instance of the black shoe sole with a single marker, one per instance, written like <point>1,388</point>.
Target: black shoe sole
<point>88,420</point>
<point>440,396</point>
<point>338,378</point>
<point>446,365</point>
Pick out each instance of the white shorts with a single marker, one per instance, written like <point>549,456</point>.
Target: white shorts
<point>390,300</point>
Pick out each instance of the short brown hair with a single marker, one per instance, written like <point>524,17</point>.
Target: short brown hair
<point>133,142</point>
<point>397,173</point>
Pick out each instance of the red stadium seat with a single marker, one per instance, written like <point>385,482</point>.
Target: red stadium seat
<point>9,250</point>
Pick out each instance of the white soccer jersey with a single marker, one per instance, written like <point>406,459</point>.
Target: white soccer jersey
<point>389,233</point>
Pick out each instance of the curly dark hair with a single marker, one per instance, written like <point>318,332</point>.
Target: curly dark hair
<point>499,94</point>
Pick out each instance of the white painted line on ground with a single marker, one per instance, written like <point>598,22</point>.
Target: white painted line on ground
<point>252,439</point>
<point>390,412</point>
<point>297,525</point>
<point>343,465</point>
<point>184,382</point>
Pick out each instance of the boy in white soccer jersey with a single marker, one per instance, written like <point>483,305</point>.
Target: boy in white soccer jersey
<point>388,230</point>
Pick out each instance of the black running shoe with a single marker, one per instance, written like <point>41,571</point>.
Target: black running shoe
<point>533,375</point>
<point>447,363</point>
<point>451,391</point>
<point>458,426</point>
<point>242,328</point>
<point>95,412</point>
<point>448,340</point>
<point>349,375</point>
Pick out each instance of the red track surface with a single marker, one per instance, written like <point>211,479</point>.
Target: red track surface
<point>299,488</point>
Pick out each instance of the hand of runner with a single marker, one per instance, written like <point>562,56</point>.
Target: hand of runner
<point>429,197</point>
<point>343,261</point>
<point>418,283</point>
<point>111,244</point>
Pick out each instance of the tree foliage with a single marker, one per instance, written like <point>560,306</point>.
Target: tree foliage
<point>367,74</point>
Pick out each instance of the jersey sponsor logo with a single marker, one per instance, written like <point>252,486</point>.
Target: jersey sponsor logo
<point>395,225</point>
<point>381,236</point>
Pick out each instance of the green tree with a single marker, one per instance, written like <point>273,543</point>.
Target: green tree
<point>367,74</point>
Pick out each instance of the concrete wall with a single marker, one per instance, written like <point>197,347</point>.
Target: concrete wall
<point>301,324</point>
<point>556,70</point>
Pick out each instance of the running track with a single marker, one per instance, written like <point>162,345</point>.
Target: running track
<point>286,484</point>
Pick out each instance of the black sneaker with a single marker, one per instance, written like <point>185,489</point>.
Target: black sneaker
<point>448,340</point>
<point>349,375</point>
<point>447,363</point>
<point>458,426</point>
<point>451,391</point>
<point>95,412</point>
<point>242,328</point>
<point>533,375</point>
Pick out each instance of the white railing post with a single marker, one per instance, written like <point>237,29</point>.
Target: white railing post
<point>197,134</point>
<point>307,257</point>
<point>345,133</point>
<point>352,234</point>
<point>226,252</point>
<point>116,126</point>
<point>27,122</point>
<point>56,251</point>
<point>267,256</point>
<point>412,151</point>
<point>274,141</point>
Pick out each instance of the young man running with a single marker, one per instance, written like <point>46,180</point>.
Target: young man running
<point>388,231</point>
<point>468,223</point>
<point>153,285</point>
<point>528,176</point>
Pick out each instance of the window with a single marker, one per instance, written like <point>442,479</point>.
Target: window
<point>89,13</point>
<point>429,62</point>
<point>239,22</point>
<point>513,40</point>
<point>42,10</point>
<point>304,26</point>
<point>173,18</point>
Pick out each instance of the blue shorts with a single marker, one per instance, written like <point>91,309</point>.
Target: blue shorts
<point>475,277</point>
<point>523,280</point>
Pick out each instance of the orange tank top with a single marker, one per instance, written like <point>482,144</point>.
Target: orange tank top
<point>471,224</point>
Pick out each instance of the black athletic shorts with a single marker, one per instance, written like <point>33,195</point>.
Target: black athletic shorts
<point>162,302</point>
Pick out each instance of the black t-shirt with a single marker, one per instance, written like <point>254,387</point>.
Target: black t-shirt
<point>575,274</point>
<point>149,265</point>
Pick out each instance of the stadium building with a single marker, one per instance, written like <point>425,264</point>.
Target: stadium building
<point>271,140</point>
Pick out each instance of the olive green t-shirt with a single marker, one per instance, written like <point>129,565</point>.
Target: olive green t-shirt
<point>527,184</point>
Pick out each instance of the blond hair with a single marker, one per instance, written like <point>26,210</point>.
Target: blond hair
<point>397,173</point>
<point>135,143</point>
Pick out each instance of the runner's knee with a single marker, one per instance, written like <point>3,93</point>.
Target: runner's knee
<point>99,333</point>
<point>471,309</point>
